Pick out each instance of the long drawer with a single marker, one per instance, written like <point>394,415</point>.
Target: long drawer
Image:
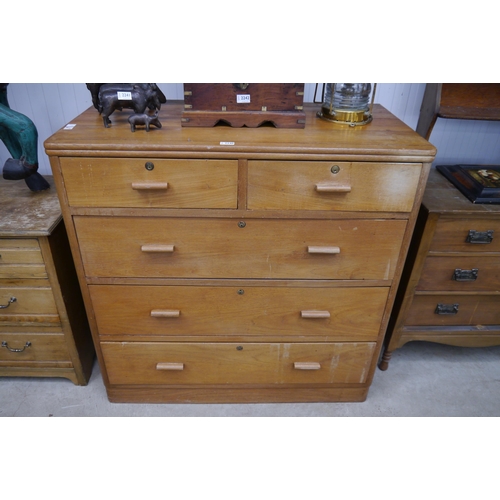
<point>158,363</point>
<point>350,313</point>
<point>26,300</point>
<point>317,185</point>
<point>466,235</point>
<point>232,248</point>
<point>467,274</point>
<point>443,310</point>
<point>127,182</point>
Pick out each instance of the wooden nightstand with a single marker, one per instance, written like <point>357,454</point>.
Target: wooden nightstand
<point>450,290</point>
<point>44,330</point>
<point>235,264</point>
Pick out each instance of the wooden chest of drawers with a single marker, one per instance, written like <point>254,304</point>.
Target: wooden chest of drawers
<point>450,290</point>
<point>44,330</point>
<point>239,265</point>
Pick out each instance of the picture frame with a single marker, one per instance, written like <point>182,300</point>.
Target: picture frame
<point>479,183</point>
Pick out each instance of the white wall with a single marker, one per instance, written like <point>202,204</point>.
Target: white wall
<point>53,105</point>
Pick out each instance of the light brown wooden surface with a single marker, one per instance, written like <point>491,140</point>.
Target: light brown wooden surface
<point>237,229</point>
<point>43,327</point>
<point>439,247</point>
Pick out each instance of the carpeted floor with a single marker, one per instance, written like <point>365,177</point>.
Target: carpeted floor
<point>423,379</point>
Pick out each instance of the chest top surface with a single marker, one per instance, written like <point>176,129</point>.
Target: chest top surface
<point>386,138</point>
<point>28,213</point>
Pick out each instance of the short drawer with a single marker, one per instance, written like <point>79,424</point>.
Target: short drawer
<point>18,348</point>
<point>232,248</point>
<point>21,258</point>
<point>156,183</point>
<point>345,313</point>
<point>22,305</point>
<point>349,186</point>
<point>444,310</point>
<point>466,235</point>
<point>463,274</point>
<point>232,363</point>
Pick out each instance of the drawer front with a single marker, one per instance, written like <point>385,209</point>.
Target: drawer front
<point>20,306</point>
<point>466,235</point>
<point>232,363</point>
<point>113,182</point>
<point>443,310</point>
<point>350,313</point>
<point>357,186</point>
<point>18,348</point>
<point>464,274</point>
<point>229,248</point>
<point>21,258</point>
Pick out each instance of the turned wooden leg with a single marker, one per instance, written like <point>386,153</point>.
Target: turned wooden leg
<point>384,362</point>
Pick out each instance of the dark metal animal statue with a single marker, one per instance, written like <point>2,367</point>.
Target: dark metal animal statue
<point>144,119</point>
<point>20,136</point>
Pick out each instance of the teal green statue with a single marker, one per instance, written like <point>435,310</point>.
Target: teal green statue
<point>20,136</point>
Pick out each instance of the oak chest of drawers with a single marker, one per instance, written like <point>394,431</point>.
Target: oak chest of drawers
<point>239,265</point>
<point>450,290</point>
<point>44,330</point>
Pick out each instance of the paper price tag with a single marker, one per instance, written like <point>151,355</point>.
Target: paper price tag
<point>242,98</point>
<point>227,143</point>
<point>70,126</point>
<point>124,96</point>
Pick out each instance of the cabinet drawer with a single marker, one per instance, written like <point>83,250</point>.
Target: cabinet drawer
<point>27,305</point>
<point>18,348</point>
<point>21,258</point>
<point>358,186</point>
<point>350,313</point>
<point>454,310</point>
<point>464,274</point>
<point>452,235</point>
<point>113,182</point>
<point>232,363</point>
<point>229,248</point>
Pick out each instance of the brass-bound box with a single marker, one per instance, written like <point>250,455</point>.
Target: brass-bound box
<point>243,104</point>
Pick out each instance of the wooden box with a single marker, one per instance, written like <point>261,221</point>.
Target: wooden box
<point>243,104</point>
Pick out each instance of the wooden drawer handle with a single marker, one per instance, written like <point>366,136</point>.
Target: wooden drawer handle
<point>306,365</point>
<point>326,187</point>
<point>157,248</point>
<point>314,314</point>
<point>170,366</point>
<point>327,250</point>
<point>165,313</point>
<point>149,186</point>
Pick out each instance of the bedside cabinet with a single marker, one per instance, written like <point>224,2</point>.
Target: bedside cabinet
<point>235,264</point>
<point>44,331</point>
<point>450,291</point>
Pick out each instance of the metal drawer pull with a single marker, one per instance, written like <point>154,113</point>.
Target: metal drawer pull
<point>149,186</point>
<point>157,248</point>
<point>170,366</point>
<point>315,314</point>
<point>306,365</point>
<point>478,237</point>
<point>165,313</point>
<point>326,187</point>
<point>446,309</point>
<point>12,299</point>
<point>4,344</point>
<point>465,274</point>
<point>327,250</point>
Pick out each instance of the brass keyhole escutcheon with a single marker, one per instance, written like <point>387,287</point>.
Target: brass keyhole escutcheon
<point>239,348</point>
<point>242,223</point>
<point>241,292</point>
<point>335,169</point>
<point>149,165</point>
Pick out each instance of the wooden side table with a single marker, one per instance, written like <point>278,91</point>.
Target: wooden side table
<point>450,289</point>
<point>44,331</point>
